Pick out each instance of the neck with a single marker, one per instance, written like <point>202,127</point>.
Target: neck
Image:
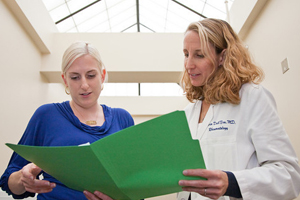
<point>203,111</point>
<point>90,115</point>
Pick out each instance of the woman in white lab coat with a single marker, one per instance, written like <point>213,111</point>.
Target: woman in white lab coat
<point>247,152</point>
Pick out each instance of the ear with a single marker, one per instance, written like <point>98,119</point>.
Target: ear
<point>222,57</point>
<point>103,75</point>
<point>64,79</point>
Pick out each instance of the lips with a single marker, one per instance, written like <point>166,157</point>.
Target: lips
<point>194,75</point>
<point>85,94</point>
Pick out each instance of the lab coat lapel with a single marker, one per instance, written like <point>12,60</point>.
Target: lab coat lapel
<point>207,120</point>
<point>193,121</point>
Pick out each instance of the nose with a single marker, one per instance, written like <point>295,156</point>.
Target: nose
<point>84,84</point>
<point>189,63</point>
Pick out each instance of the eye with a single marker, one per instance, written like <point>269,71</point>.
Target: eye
<point>74,77</point>
<point>186,55</point>
<point>200,55</point>
<point>90,76</point>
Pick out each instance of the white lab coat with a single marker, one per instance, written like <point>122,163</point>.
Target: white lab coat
<point>249,140</point>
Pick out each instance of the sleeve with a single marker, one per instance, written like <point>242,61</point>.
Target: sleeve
<point>31,136</point>
<point>124,118</point>
<point>277,175</point>
<point>233,189</point>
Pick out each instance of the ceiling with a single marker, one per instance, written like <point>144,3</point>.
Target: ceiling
<point>155,16</point>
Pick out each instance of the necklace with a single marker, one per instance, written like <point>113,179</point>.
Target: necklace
<point>88,122</point>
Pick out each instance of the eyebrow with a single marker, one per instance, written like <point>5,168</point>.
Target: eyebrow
<point>197,50</point>
<point>93,70</point>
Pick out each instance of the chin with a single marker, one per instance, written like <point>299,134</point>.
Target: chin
<point>197,84</point>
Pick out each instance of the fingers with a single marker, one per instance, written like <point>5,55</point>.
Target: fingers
<point>38,186</point>
<point>197,172</point>
<point>31,184</point>
<point>214,187</point>
<point>30,171</point>
<point>96,195</point>
<point>195,183</point>
<point>35,170</point>
<point>90,196</point>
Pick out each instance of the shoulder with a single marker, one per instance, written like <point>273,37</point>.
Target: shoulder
<point>119,114</point>
<point>254,93</point>
<point>192,107</point>
<point>116,111</point>
<point>45,108</point>
<point>189,107</point>
<point>49,109</point>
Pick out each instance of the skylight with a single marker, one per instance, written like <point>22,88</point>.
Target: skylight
<point>132,15</point>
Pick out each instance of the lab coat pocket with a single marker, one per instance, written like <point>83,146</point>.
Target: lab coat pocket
<point>219,152</point>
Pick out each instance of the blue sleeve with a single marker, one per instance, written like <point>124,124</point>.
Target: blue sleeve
<point>233,189</point>
<point>16,163</point>
<point>124,118</point>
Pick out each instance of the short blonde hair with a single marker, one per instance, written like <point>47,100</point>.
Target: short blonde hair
<point>78,49</point>
<point>224,84</point>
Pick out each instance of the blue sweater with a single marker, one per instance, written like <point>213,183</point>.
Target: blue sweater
<point>56,125</point>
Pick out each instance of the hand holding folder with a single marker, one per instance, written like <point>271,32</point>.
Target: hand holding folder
<point>138,162</point>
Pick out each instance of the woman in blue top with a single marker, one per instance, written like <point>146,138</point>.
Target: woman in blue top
<point>79,121</point>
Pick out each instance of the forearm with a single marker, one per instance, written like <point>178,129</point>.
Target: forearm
<point>15,184</point>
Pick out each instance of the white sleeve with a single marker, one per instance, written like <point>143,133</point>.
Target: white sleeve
<point>278,175</point>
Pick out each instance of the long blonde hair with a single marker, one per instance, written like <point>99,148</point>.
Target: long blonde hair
<point>224,84</point>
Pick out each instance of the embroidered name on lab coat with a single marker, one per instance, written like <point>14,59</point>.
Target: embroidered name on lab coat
<point>221,125</point>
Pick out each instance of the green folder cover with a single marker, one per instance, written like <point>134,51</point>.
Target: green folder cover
<point>138,162</point>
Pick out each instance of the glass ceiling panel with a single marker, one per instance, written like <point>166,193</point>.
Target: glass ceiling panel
<point>120,7</point>
<point>122,16</point>
<point>131,29</point>
<point>153,16</point>
<point>103,27</point>
<point>75,5</point>
<point>196,5</point>
<point>110,3</point>
<point>181,16</point>
<point>218,4</point>
<point>213,12</point>
<point>89,24</point>
<point>122,23</point>
<point>59,12</point>
<point>67,25</point>
<point>96,10</point>
<point>145,29</point>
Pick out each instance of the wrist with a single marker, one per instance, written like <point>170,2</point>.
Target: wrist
<point>15,183</point>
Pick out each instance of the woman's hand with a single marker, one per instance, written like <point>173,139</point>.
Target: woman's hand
<point>214,187</point>
<point>96,196</point>
<point>25,180</point>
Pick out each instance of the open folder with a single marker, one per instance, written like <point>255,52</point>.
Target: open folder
<point>138,162</point>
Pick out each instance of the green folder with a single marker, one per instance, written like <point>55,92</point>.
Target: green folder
<point>138,162</point>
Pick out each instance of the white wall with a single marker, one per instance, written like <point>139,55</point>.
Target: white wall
<point>22,88</point>
<point>21,85</point>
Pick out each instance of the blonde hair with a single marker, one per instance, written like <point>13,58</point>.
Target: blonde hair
<point>224,84</point>
<point>78,49</point>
